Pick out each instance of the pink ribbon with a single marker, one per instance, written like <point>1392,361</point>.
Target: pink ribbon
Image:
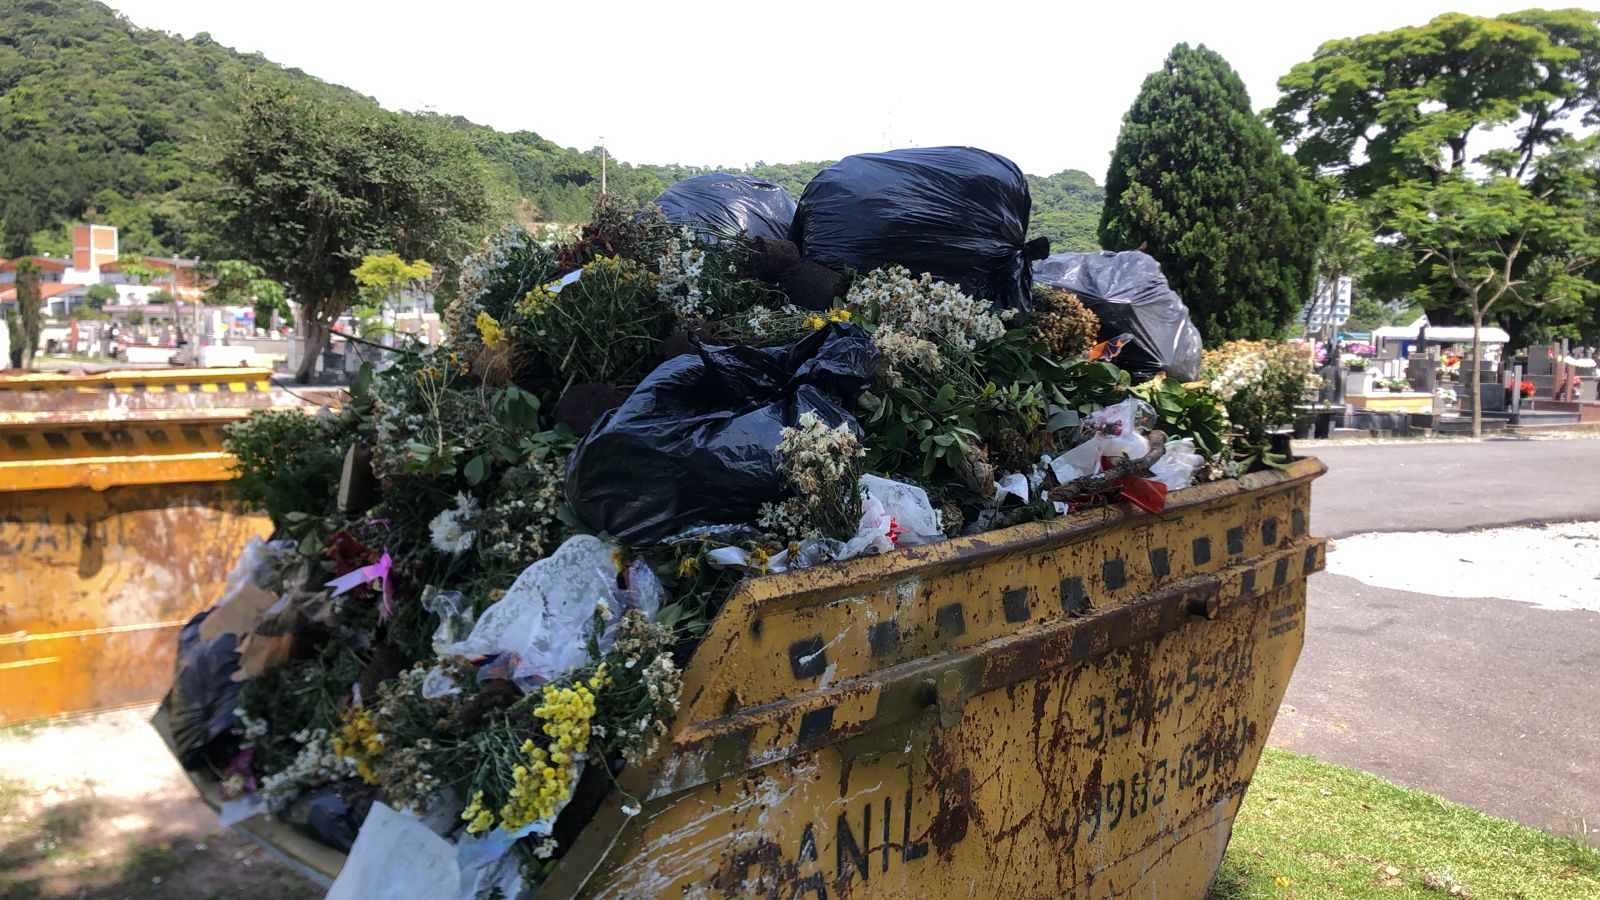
<point>378,571</point>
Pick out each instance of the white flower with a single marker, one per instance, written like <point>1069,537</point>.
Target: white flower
<point>449,536</point>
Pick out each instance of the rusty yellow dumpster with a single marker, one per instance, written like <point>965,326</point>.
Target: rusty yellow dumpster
<point>116,525</point>
<point>1070,708</point>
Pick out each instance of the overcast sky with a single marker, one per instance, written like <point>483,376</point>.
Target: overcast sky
<point>714,83</point>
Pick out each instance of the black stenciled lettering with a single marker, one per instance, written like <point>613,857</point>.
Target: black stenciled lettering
<point>1071,824</point>
<point>1124,721</point>
<point>1097,712</point>
<point>1202,753</point>
<point>1169,690</point>
<point>6,547</point>
<point>45,534</point>
<point>1185,768</point>
<point>1116,802</point>
<point>1193,681</point>
<point>812,884</point>
<point>850,853</point>
<point>888,814</point>
<point>1138,794</point>
<point>908,850</point>
<point>1096,805</point>
<point>1160,794</point>
<point>1210,679</point>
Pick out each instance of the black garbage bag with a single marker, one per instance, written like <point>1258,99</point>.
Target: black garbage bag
<point>693,445</point>
<point>956,212</point>
<point>203,696</point>
<point>1131,296</point>
<point>729,204</point>
<point>324,815</point>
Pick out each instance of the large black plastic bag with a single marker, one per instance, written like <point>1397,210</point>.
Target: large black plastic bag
<point>956,212</point>
<point>203,696</point>
<point>694,444</point>
<point>729,204</point>
<point>1131,296</point>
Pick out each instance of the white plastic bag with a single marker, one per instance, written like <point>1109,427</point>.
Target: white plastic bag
<point>893,514</point>
<point>1116,434</point>
<point>397,857</point>
<point>547,615</point>
<point>1177,466</point>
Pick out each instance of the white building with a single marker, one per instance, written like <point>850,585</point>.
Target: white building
<point>64,282</point>
<point>1329,306</point>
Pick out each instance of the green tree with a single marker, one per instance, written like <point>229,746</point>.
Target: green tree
<point>134,266</point>
<point>1199,182</point>
<point>1342,253</point>
<point>382,279</point>
<point>160,298</point>
<point>1478,236</point>
<point>241,283</point>
<point>100,294</point>
<point>309,189</point>
<point>1417,106</point>
<point>1066,209</point>
<point>1365,314</point>
<point>1414,103</point>
<point>30,314</point>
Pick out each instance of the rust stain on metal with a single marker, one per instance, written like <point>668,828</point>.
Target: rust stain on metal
<point>1070,708</point>
<point>94,585</point>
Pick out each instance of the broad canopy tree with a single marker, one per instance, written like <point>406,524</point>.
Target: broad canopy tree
<point>309,189</point>
<point>1199,182</point>
<point>1465,130</point>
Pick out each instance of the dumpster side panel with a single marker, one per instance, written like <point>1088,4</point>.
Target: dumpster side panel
<point>95,584</point>
<point>1119,775</point>
<point>1070,708</point>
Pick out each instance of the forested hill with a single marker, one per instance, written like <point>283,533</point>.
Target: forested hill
<point>103,121</point>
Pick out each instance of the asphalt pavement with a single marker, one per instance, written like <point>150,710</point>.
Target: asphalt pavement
<point>1488,702</point>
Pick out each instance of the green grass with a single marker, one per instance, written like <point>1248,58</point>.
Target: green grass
<point>1311,829</point>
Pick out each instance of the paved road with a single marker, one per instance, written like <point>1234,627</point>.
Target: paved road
<point>1489,702</point>
<point>1454,485</point>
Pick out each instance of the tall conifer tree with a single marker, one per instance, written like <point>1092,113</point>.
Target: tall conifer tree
<point>1198,181</point>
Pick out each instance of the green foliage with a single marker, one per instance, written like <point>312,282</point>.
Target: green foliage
<point>1185,413</point>
<point>240,283</point>
<point>1406,104</point>
<point>309,189</point>
<point>288,462</point>
<point>1366,314</point>
<point>30,315</point>
<point>1259,383</point>
<point>161,297</point>
<point>100,294</point>
<point>933,422</point>
<point>1198,180</point>
<point>1398,118</point>
<point>605,327</point>
<point>134,266</point>
<point>1066,209</point>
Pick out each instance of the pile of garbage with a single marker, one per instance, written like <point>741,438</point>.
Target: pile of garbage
<point>536,520</point>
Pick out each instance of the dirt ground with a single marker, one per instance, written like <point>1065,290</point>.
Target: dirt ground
<point>95,807</point>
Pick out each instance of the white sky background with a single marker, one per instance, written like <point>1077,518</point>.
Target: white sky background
<point>721,83</point>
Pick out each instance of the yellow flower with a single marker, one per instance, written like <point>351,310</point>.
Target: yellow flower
<point>839,315</point>
<point>489,328</point>
<point>759,557</point>
<point>688,566</point>
<point>478,818</point>
<point>358,741</point>
<point>815,323</point>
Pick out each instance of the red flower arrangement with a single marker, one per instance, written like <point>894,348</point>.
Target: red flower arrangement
<point>1527,389</point>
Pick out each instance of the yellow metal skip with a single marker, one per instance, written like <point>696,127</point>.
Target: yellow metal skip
<point>1063,709</point>
<point>94,584</point>
<point>116,525</point>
